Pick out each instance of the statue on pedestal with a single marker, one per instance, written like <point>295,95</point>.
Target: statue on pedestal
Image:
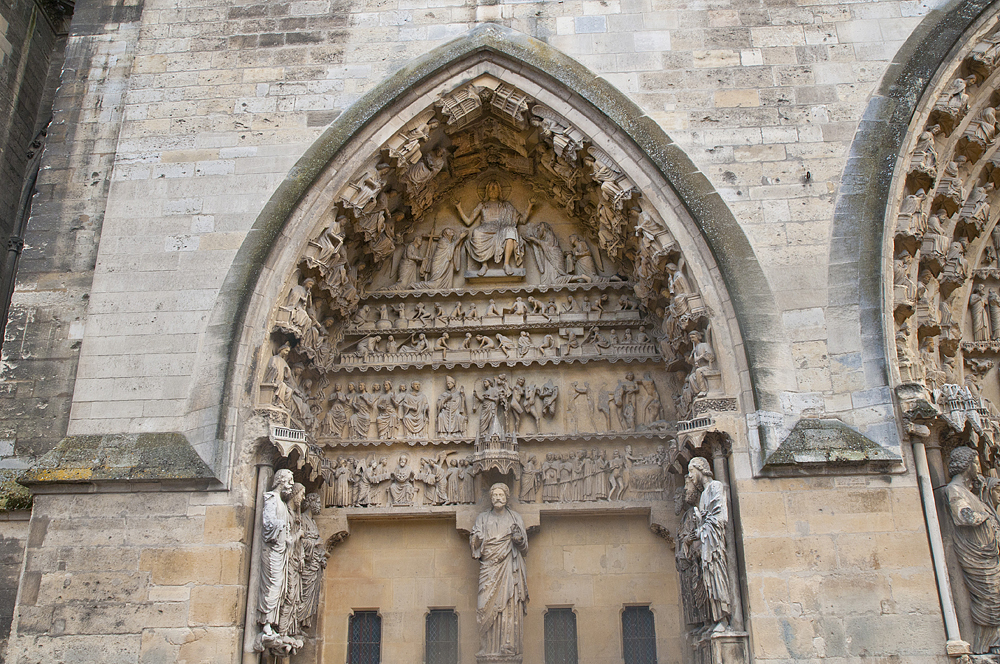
<point>976,546</point>
<point>711,518</point>
<point>499,541</point>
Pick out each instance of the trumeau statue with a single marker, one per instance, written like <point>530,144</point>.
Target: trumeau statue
<point>499,541</point>
<point>976,545</point>
<point>711,518</point>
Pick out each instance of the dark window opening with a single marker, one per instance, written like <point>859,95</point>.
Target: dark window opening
<point>441,641</point>
<point>560,636</point>
<point>638,635</point>
<point>364,638</point>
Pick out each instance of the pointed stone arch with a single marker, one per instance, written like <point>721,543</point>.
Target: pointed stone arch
<point>762,362</point>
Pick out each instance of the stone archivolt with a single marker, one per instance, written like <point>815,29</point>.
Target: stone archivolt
<point>946,290</point>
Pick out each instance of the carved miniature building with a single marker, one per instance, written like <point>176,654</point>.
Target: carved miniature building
<point>511,333</point>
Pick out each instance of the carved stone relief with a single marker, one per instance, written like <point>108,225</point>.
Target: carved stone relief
<point>946,310</point>
<point>490,296</point>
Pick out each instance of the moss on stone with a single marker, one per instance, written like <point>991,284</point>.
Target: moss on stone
<point>13,496</point>
<point>146,457</point>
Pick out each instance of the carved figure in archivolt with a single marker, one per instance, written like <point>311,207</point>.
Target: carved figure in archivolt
<point>496,239</point>
<point>975,538</point>
<point>499,541</point>
<point>712,517</point>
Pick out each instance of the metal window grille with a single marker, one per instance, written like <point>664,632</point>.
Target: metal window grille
<point>364,638</point>
<point>441,643</point>
<point>560,636</point>
<point>638,635</point>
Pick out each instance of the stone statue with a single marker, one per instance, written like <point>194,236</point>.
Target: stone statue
<point>496,239</point>
<point>444,262</point>
<point>975,539</point>
<point>415,411</point>
<point>712,517</point>
<point>687,556</point>
<point>531,479</point>
<point>549,258</point>
<point>452,415</point>
<point>313,560</point>
<point>702,358</point>
<point>493,405</point>
<point>401,490</point>
<point>277,542</point>
<point>386,419</point>
<point>978,304</point>
<point>500,542</point>
<point>409,264</point>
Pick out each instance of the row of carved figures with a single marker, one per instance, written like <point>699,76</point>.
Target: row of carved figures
<point>502,405</point>
<point>372,482</point>
<point>482,347</point>
<point>445,479</point>
<point>593,475</point>
<point>398,316</point>
<point>353,413</point>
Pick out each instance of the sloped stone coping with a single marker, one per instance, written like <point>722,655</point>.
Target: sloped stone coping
<point>829,447</point>
<point>161,460</point>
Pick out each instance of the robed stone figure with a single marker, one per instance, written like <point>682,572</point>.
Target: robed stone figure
<point>975,539</point>
<point>711,518</point>
<point>500,542</point>
<point>276,524</point>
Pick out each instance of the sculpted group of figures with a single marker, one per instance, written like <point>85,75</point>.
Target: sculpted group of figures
<point>430,262</point>
<point>291,566</point>
<point>943,221</point>
<point>418,349</point>
<point>592,475</point>
<point>373,482</point>
<point>572,309</point>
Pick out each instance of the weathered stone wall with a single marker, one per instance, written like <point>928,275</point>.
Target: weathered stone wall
<point>153,577</point>
<point>174,125</point>
<point>13,537</point>
<point>596,566</point>
<point>225,100</point>
<point>839,567</point>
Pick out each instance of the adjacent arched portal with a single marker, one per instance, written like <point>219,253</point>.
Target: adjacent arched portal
<point>488,273</point>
